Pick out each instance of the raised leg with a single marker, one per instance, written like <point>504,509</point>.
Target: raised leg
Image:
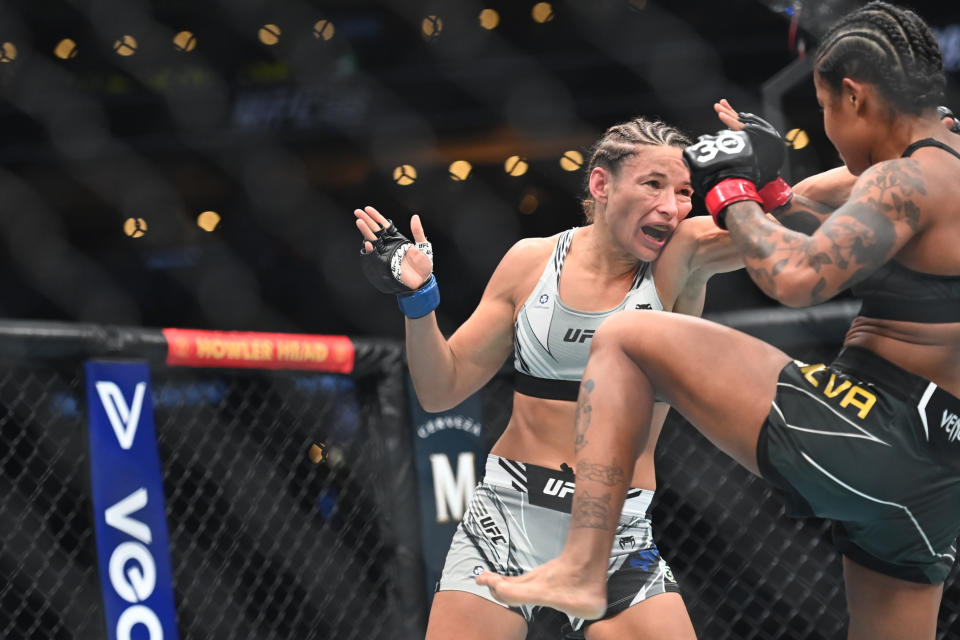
<point>721,380</point>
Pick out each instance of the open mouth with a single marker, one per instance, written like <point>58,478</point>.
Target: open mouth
<point>658,232</point>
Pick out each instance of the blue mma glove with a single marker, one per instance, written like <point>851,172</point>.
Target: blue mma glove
<point>382,268</point>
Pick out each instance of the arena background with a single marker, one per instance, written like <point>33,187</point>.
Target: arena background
<point>194,165</point>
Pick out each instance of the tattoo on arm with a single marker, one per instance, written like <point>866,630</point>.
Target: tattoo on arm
<point>582,418</point>
<point>851,244</point>
<point>590,512</point>
<point>608,475</point>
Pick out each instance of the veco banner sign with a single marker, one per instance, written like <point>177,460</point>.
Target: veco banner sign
<point>133,548</point>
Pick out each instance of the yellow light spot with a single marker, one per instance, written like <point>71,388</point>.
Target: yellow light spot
<point>637,5</point>
<point>542,12</point>
<point>405,174</point>
<point>798,138</point>
<point>65,49</point>
<point>489,19</point>
<point>269,34</point>
<point>135,227</point>
<point>516,166</point>
<point>460,170</point>
<point>432,26</point>
<point>185,41</point>
<point>323,30</point>
<point>125,46</point>
<point>208,220</point>
<point>571,160</point>
<point>8,52</point>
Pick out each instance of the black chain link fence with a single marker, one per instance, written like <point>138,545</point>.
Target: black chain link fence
<point>266,543</point>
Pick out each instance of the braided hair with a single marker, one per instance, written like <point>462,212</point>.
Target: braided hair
<point>620,142</point>
<point>890,47</point>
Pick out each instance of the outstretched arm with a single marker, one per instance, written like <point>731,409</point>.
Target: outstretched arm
<point>882,214</point>
<point>445,372</point>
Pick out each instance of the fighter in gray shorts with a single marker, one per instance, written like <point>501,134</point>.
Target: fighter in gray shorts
<point>518,503</point>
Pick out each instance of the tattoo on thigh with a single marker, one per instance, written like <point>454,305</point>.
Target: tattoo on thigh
<point>582,418</point>
<point>590,512</point>
<point>608,475</point>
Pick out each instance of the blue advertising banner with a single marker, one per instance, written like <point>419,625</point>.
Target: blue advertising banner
<point>450,456</point>
<point>133,547</point>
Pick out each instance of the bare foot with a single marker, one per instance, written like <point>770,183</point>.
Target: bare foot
<point>553,585</point>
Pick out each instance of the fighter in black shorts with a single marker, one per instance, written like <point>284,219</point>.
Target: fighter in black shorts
<point>870,441</point>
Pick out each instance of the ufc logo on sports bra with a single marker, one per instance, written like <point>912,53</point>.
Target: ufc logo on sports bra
<point>726,143</point>
<point>854,395</point>
<point>576,335</point>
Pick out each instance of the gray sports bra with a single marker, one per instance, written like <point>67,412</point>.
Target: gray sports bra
<point>552,341</point>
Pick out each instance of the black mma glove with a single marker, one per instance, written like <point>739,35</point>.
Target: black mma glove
<point>724,168</point>
<point>382,267</point>
<point>771,152</point>
<point>945,112</point>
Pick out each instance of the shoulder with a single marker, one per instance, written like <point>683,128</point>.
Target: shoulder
<point>521,266</point>
<point>910,190</point>
<point>692,244</point>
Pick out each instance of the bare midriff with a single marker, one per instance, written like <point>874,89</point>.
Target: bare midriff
<point>930,350</point>
<point>541,432</point>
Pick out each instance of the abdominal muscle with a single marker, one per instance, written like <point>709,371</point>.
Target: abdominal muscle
<point>930,350</point>
<point>541,432</point>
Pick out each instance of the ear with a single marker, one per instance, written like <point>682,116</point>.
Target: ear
<point>854,93</point>
<point>599,183</point>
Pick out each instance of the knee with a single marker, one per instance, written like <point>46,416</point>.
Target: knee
<point>619,332</point>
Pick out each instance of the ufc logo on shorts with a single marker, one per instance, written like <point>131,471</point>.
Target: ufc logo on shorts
<point>558,488</point>
<point>727,142</point>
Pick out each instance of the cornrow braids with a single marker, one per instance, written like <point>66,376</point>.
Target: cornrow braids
<point>890,47</point>
<point>620,142</point>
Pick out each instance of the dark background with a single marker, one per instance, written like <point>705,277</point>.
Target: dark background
<point>284,141</point>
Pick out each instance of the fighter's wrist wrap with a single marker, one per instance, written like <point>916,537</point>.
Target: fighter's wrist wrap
<point>775,194</point>
<point>725,193</point>
<point>419,303</point>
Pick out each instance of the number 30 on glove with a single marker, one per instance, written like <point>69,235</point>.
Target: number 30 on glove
<point>382,267</point>
<point>723,167</point>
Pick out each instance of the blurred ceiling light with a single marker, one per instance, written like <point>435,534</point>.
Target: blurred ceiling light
<point>798,138</point>
<point>185,41</point>
<point>135,227</point>
<point>542,12</point>
<point>65,49</point>
<point>269,34</point>
<point>571,160</point>
<point>8,52</point>
<point>405,174</point>
<point>516,166</point>
<point>489,19</point>
<point>208,220</point>
<point>125,46</point>
<point>637,5</point>
<point>529,202</point>
<point>460,170</point>
<point>323,30</point>
<point>432,26</point>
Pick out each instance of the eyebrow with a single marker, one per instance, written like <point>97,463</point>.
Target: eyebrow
<point>662,176</point>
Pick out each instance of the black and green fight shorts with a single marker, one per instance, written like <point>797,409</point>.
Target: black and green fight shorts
<point>876,449</point>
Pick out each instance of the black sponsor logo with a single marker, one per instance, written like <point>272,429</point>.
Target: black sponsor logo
<point>576,335</point>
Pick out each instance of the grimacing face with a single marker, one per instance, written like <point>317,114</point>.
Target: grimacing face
<point>647,198</point>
